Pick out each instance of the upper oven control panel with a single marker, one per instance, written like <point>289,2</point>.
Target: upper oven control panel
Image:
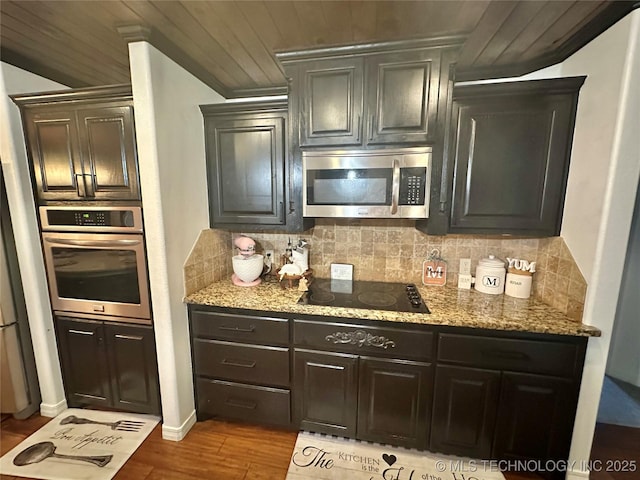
<point>96,219</point>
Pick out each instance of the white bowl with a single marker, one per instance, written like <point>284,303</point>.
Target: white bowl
<point>248,269</point>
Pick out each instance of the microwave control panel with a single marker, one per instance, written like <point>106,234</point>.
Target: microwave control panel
<point>412,186</point>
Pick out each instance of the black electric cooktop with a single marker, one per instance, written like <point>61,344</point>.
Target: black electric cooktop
<point>399,297</point>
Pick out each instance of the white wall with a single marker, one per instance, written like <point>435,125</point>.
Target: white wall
<point>624,351</point>
<point>170,137</point>
<point>23,216</point>
<point>603,179</point>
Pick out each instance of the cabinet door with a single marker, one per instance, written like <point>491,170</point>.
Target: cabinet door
<point>52,140</point>
<point>511,160</point>
<point>83,358</point>
<point>402,97</point>
<point>107,142</point>
<point>394,404</point>
<point>535,418</point>
<point>331,102</point>
<point>326,392</point>
<point>246,162</point>
<point>464,411</point>
<point>134,371</point>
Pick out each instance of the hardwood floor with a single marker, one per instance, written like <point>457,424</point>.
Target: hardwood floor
<point>212,450</point>
<point>231,451</point>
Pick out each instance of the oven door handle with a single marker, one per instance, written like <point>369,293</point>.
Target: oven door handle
<point>93,243</point>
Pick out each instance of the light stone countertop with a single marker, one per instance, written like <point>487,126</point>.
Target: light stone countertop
<point>448,305</point>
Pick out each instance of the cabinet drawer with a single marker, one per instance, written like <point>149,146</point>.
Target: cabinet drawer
<point>245,363</point>
<point>244,402</point>
<point>509,354</point>
<point>364,339</point>
<point>239,328</point>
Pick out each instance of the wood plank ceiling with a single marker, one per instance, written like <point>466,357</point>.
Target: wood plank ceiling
<point>230,45</point>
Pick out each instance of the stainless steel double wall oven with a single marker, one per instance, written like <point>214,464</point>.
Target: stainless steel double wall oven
<point>96,262</point>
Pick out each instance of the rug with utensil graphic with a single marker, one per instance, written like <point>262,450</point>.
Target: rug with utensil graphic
<point>323,457</point>
<point>79,444</point>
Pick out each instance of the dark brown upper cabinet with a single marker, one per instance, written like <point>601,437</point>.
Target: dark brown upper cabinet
<point>509,157</point>
<point>81,144</point>
<point>248,172</point>
<point>384,94</point>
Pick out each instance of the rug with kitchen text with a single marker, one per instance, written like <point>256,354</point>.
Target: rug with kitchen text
<point>79,444</point>
<point>323,457</point>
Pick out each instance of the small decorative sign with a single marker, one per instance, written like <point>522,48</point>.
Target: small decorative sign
<point>434,269</point>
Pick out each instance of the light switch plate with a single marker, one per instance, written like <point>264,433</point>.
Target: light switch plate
<point>341,271</point>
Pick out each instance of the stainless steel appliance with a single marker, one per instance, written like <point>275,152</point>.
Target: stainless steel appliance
<point>399,297</point>
<point>367,183</point>
<point>96,262</point>
<point>19,389</point>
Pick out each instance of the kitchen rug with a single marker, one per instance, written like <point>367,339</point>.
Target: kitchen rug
<point>79,444</point>
<point>322,457</point>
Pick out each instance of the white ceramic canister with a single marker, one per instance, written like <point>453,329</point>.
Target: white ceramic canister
<point>490,274</point>
<point>518,285</point>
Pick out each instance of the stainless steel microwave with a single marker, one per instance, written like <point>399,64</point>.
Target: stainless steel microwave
<point>367,183</point>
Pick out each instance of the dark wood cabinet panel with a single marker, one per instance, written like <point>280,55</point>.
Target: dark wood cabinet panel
<point>511,156</point>
<point>53,145</point>
<point>331,105</point>
<point>394,403</point>
<point>81,144</point>
<point>462,391</point>
<point>370,95</point>
<point>249,172</point>
<point>239,328</point>
<point>403,97</point>
<point>123,370</point>
<point>536,417</point>
<point>82,344</point>
<point>244,402</point>
<point>465,407</point>
<point>134,371</point>
<point>241,365</point>
<point>407,343</point>
<point>326,392</point>
<point>108,149</point>
<point>533,356</point>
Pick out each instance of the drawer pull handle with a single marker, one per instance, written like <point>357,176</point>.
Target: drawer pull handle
<point>506,354</point>
<point>251,329</point>
<point>361,339</point>
<point>238,363</point>
<point>241,404</point>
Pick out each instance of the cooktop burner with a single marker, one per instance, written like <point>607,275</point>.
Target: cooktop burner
<point>399,297</point>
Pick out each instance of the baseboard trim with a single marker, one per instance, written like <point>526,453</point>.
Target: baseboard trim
<point>176,434</point>
<point>576,474</point>
<point>53,410</point>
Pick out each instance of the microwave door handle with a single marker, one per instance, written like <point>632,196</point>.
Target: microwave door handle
<point>93,243</point>
<point>395,194</point>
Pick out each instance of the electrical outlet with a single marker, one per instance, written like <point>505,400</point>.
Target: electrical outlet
<point>269,255</point>
<point>465,266</point>
<point>341,271</point>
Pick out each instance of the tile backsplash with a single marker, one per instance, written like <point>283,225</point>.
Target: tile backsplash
<point>393,251</point>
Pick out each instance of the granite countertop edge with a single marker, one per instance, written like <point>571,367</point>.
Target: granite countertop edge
<point>449,307</point>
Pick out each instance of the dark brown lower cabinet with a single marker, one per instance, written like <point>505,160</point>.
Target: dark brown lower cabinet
<point>85,371</point>
<point>481,394</point>
<point>394,401</point>
<point>326,392</point>
<point>464,410</point>
<point>108,364</point>
<point>536,417</point>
